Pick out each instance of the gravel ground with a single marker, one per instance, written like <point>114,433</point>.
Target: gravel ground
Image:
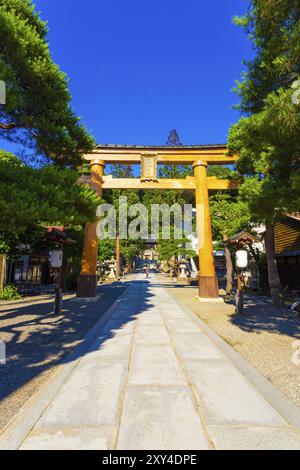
<point>262,336</point>
<point>37,341</point>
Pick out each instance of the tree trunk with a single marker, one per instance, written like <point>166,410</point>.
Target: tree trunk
<point>64,274</point>
<point>239,296</point>
<point>229,267</point>
<point>176,266</point>
<point>273,276</point>
<point>118,256</point>
<point>2,270</point>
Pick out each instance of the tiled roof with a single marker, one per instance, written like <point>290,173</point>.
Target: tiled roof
<point>121,146</point>
<point>294,215</point>
<point>243,235</point>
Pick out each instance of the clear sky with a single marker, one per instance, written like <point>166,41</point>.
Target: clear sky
<point>139,68</point>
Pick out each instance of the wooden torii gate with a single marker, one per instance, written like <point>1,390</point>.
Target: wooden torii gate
<point>199,157</point>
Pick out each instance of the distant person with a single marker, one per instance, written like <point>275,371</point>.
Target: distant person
<point>147,271</point>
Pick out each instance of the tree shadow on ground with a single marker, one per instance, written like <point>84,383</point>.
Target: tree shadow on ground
<point>260,315</point>
<point>36,340</point>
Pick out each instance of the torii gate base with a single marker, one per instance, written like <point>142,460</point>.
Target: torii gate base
<point>208,287</point>
<point>200,157</point>
<point>87,286</point>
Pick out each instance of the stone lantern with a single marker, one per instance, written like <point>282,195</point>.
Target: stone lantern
<point>112,267</point>
<point>183,266</point>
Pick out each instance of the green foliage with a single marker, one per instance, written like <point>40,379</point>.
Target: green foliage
<point>73,251</point>
<point>220,171</point>
<point>267,140</point>
<point>230,210</point>
<point>9,292</point>
<point>106,249</point>
<point>268,146</point>
<point>131,249</point>
<point>112,196</point>
<point>121,171</point>
<point>32,197</point>
<point>274,27</point>
<point>229,215</point>
<point>168,249</point>
<point>37,110</point>
<point>4,246</point>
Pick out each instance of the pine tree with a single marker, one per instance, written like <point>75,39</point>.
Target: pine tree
<point>37,110</point>
<point>267,137</point>
<point>32,198</point>
<point>173,139</point>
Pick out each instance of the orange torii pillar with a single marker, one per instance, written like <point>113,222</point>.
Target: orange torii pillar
<point>87,282</point>
<point>208,281</point>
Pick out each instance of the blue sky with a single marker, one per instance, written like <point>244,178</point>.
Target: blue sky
<point>140,68</point>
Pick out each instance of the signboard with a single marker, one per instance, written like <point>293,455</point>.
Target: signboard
<point>149,162</point>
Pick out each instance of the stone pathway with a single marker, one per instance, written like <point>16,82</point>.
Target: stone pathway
<point>154,380</point>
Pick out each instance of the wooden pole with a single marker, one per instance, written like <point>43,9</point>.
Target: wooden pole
<point>2,270</point>
<point>208,282</point>
<point>239,297</point>
<point>118,256</point>
<point>229,266</point>
<point>58,298</point>
<point>87,283</point>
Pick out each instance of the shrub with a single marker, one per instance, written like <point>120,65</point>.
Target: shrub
<point>9,292</point>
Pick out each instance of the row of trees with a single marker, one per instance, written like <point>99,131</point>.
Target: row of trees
<point>129,249</point>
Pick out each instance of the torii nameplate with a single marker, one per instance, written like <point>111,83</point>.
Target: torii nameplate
<point>149,165</point>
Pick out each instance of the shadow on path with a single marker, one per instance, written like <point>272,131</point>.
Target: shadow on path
<point>36,340</point>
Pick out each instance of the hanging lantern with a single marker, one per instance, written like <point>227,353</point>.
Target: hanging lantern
<point>56,258</point>
<point>241,258</point>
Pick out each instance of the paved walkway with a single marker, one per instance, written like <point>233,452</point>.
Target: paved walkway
<point>37,341</point>
<point>154,380</point>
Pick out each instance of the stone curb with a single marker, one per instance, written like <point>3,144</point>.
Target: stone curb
<point>288,410</point>
<point>19,427</point>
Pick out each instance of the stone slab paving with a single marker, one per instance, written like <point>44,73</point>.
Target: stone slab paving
<point>154,380</point>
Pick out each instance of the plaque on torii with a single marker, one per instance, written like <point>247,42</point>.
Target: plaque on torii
<point>148,167</point>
